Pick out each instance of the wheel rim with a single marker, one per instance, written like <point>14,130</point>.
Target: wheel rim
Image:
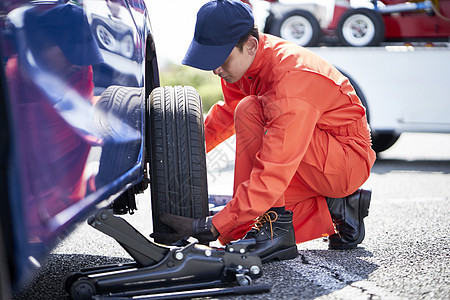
<point>358,30</point>
<point>106,38</point>
<point>297,29</point>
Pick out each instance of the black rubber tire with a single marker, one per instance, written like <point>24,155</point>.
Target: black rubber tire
<point>373,19</point>
<point>382,141</point>
<point>177,155</point>
<point>125,104</point>
<point>276,28</point>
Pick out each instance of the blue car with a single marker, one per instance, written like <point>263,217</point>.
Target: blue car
<point>85,126</point>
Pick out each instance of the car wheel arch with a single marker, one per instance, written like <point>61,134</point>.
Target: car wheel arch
<point>151,66</point>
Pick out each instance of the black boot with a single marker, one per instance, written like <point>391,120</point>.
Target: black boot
<point>348,214</point>
<point>274,236</point>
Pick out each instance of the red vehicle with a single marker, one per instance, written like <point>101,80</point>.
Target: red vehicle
<point>359,23</point>
<point>432,22</point>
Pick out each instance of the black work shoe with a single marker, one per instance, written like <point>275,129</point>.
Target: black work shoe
<point>274,236</point>
<point>348,214</point>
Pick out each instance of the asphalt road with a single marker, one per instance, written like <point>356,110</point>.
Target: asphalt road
<point>405,255</point>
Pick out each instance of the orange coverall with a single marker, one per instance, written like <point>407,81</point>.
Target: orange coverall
<point>301,135</point>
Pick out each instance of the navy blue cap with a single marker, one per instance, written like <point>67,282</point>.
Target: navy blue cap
<point>220,25</point>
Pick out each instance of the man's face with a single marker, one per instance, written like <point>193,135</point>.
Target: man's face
<point>235,66</point>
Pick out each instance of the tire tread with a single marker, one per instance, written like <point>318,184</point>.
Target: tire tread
<point>177,154</point>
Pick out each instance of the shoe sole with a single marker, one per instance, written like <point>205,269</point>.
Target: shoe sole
<point>364,200</point>
<point>288,253</point>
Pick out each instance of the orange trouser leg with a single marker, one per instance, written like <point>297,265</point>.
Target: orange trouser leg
<point>319,174</point>
<point>327,169</point>
<point>249,126</point>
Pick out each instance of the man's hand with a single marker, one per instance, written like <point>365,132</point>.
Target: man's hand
<point>201,229</point>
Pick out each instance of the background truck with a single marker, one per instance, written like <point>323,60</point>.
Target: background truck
<point>354,22</point>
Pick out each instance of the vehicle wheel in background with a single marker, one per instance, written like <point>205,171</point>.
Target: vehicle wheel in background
<point>360,27</point>
<point>383,140</point>
<point>299,27</point>
<point>177,155</point>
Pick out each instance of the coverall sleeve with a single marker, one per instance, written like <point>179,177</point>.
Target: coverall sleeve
<point>219,122</point>
<point>289,128</point>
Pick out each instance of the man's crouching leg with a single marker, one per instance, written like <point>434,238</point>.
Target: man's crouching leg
<point>348,214</point>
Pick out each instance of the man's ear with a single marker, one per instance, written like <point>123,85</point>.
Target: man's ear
<point>252,45</point>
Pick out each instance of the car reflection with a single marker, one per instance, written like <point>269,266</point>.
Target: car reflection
<point>119,43</point>
<point>68,135</point>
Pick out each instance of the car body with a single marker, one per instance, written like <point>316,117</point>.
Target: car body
<point>357,22</point>
<point>52,74</point>
<point>78,124</point>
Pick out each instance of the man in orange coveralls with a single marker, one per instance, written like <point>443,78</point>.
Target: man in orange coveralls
<point>302,140</point>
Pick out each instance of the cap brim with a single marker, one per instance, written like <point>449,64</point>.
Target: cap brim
<point>207,57</point>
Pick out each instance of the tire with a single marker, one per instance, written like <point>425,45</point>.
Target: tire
<point>177,155</point>
<point>299,27</point>
<point>121,140</point>
<point>360,27</point>
<point>382,141</point>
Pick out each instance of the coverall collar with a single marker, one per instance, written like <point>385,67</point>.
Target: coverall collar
<point>255,67</point>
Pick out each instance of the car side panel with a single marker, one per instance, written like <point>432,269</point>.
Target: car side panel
<point>56,71</point>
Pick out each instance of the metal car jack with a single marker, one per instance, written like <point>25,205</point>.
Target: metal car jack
<point>166,272</point>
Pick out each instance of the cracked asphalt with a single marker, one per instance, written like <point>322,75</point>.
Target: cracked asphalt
<point>405,254</point>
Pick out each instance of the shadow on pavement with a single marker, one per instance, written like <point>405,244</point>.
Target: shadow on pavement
<point>49,281</point>
<point>316,273</point>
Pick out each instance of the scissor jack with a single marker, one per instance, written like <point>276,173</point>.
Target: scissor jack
<point>166,272</point>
